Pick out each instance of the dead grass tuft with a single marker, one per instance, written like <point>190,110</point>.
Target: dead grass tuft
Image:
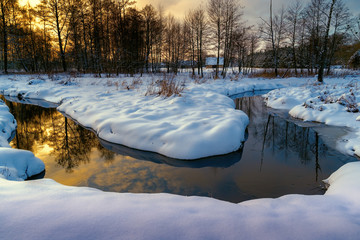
<point>134,84</point>
<point>166,87</point>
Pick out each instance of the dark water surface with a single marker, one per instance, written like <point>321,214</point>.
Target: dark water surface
<point>279,157</point>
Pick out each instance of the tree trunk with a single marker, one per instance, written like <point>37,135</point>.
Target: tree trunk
<point>273,41</point>
<point>218,48</point>
<point>324,52</point>
<point>58,30</point>
<point>5,43</point>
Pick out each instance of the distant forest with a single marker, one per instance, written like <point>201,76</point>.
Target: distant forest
<point>113,36</point>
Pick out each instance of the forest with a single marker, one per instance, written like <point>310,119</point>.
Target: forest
<point>114,36</point>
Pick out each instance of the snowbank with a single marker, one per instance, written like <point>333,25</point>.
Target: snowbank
<point>18,164</point>
<point>202,122</point>
<point>7,124</point>
<point>43,209</point>
<point>188,127</point>
<point>336,102</point>
<point>14,164</point>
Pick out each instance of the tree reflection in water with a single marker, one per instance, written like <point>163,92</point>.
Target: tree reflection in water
<point>70,143</point>
<point>280,137</point>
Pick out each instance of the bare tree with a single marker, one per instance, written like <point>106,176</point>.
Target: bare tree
<point>315,21</point>
<point>196,20</point>
<point>340,22</point>
<point>325,45</point>
<point>150,20</point>
<point>42,13</point>
<point>4,11</point>
<point>59,13</point>
<point>172,43</point>
<point>273,32</point>
<point>292,18</point>
<point>230,23</point>
<point>216,13</point>
<point>254,43</point>
<point>189,31</point>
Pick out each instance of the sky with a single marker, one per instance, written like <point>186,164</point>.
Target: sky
<point>252,11</point>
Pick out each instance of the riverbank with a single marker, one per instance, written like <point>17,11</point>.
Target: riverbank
<point>336,102</point>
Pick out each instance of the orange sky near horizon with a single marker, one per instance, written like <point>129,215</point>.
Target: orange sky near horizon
<point>252,11</point>
<point>177,8</point>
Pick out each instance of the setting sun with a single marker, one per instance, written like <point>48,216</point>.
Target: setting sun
<point>32,2</point>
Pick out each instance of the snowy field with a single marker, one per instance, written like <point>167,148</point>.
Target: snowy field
<point>199,123</point>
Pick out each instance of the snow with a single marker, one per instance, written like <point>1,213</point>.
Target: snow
<point>336,103</point>
<point>18,164</point>
<point>179,127</point>
<point>44,209</point>
<point>344,182</point>
<point>15,164</point>
<point>201,122</point>
<point>7,124</point>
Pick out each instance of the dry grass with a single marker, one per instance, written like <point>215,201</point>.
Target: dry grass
<point>198,79</point>
<point>166,87</point>
<point>349,101</point>
<point>134,84</point>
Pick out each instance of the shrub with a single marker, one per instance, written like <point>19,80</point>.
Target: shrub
<point>349,101</point>
<point>166,87</point>
<point>135,83</point>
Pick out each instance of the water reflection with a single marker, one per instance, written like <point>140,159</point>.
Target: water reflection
<point>279,157</point>
<point>288,150</point>
<point>280,137</point>
<point>222,161</point>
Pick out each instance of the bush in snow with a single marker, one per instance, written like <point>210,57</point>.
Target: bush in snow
<point>135,83</point>
<point>311,103</point>
<point>166,87</point>
<point>348,100</point>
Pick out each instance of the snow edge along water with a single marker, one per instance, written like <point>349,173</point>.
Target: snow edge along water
<point>15,164</point>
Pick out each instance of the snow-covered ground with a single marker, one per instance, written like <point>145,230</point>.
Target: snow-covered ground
<point>336,103</point>
<point>7,124</point>
<point>186,127</point>
<point>202,122</point>
<point>43,209</point>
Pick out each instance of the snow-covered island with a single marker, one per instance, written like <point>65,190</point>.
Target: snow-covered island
<point>201,122</point>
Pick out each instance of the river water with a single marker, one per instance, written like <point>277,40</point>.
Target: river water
<point>281,156</point>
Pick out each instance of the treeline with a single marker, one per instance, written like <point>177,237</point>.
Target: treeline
<point>108,36</point>
<point>309,36</point>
